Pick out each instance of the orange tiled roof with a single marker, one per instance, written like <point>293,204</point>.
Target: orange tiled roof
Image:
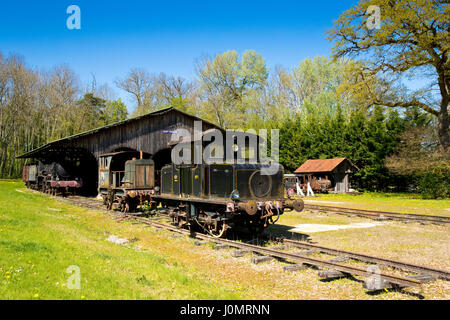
<point>320,165</point>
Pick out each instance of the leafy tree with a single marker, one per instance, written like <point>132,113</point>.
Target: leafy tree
<point>365,139</point>
<point>419,157</point>
<point>412,39</point>
<point>316,85</point>
<point>92,112</point>
<point>114,111</point>
<point>231,86</point>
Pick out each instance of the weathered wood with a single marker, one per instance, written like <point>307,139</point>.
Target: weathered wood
<point>239,253</point>
<point>219,246</point>
<point>331,274</point>
<point>150,133</point>
<point>259,259</point>
<point>339,259</point>
<point>294,267</point>
<point>199,243</point>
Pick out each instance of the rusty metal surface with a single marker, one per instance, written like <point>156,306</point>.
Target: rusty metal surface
<point>66,183</point>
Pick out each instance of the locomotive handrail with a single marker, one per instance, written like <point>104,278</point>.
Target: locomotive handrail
<point>119,175</point>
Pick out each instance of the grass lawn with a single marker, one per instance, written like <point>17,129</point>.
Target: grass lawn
<point>41,237</point>
<point>395,202</point>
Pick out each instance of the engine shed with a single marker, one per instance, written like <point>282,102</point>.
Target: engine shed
<point>338,171</point>
<point>147,137</point>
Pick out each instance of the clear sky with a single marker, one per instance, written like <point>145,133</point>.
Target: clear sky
<point>163,36</point>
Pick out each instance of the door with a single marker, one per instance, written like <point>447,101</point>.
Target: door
<point>185,182</point>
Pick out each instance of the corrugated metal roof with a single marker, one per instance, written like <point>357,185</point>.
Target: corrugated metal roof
<point>319,165</point>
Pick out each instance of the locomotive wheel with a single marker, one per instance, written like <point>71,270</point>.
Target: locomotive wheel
<point>298,205</point>
<point>130,205</point>
<point>109,205</point>
<point>219,231</point>
<point>122,206</point>
<point>110,200</point>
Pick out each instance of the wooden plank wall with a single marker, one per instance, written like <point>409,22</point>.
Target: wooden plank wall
<point>146,134</point>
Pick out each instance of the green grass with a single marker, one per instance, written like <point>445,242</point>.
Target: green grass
<point>396,202</point>
<point>40,238</point>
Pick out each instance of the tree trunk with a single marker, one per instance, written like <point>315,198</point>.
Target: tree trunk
<point>443,125</point>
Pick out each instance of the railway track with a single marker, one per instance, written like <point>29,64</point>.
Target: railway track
<point>441,274</point>
<point>381,215</point>
<point>375,278</point>
<point>337,267</point>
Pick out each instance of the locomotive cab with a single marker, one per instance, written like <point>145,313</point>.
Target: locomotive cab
<point>139,174</point>
<point>127,182</point>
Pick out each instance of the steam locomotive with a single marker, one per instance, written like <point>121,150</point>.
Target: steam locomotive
<point>50,178</point>
<point>212,197</point>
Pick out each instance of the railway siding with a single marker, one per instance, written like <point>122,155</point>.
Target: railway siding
<point>328,269</point>
<point>381,215</point>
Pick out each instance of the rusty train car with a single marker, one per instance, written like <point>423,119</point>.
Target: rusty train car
<point>50,178</point>
<point>210,197</point>
<point>322,185</point>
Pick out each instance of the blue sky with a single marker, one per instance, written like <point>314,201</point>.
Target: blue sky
<point>163,36</point>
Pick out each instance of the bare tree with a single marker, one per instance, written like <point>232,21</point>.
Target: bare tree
<point>172,87</point>
<point>137,83</point>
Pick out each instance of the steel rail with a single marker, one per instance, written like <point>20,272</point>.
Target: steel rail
<point>379,214</point>
<point>396,280</point>
<point>293,257</point>
<point>442,274</point>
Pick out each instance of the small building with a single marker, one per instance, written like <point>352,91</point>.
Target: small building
<point>337,171</point>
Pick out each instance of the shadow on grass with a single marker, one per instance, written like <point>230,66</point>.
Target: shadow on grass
<point>375,293</point>
<point>284,231</point>
<point>396,289</point>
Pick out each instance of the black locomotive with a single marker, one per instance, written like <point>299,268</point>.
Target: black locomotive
<point>50,178</point>
<point>219,196</point>
<point>213,197</point>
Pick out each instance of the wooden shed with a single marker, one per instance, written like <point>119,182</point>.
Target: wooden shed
<point>148,135</point>
<point>338,171</point>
